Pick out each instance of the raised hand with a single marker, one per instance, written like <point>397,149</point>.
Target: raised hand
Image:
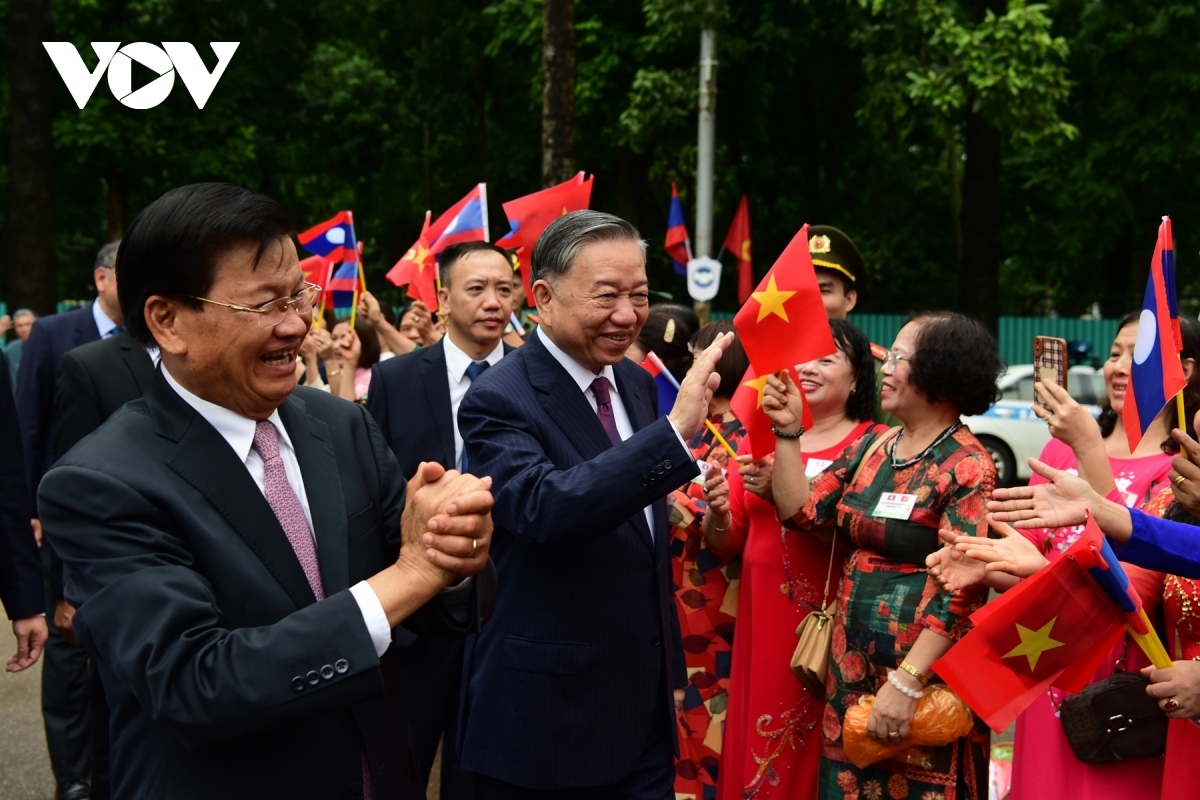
<point>1185,479</point>
<point>1069,422</point>
<point>368,309</point>
<point>696,389</point>
<point>1062,502</point>
<point>783,403</point>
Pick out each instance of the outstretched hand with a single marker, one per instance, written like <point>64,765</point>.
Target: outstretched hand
<point>696,389</point>
<point>1064,501</point>
<point>1012,553</point>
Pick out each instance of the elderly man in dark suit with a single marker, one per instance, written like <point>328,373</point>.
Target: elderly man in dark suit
<point>415,400</point>
<point>239,572</point>
<point>569,689</point>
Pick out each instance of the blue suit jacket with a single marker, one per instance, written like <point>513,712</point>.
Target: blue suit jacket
<point>583,649</point>
<point>49,340</point>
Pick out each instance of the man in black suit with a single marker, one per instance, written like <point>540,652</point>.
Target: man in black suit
<point>20,571</point>
<point>569,687</point>
<point>94,381</point>
<point>66,707</point>
<point>238,572</point>
<point>415,399</point>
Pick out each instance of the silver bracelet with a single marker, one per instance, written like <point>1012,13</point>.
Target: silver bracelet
<point>713,525</point>
<point>915,694</point>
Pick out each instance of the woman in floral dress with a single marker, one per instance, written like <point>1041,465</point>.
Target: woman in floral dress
<point>892,622</point>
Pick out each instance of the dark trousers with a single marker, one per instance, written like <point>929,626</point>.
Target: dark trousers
<point>74,713</point>
<point>652,778</point>
<point>432,678</point>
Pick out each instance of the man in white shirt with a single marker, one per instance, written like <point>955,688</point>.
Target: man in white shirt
<point>415,399</point>
<point>238,572</point>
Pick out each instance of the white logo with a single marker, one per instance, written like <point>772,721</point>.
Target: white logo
<point>172,57</point>
<point>704,278</point>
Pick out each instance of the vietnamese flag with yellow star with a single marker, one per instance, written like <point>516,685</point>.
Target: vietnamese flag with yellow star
<point>417,271</point>
<point>784,323</point>
<point>746,405</point>
<point>1053,629</point>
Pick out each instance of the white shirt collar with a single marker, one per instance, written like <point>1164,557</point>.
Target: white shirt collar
<point>578,372</point>
<point>103,323</point>
<point>457,361</point>
<point>235,429</point>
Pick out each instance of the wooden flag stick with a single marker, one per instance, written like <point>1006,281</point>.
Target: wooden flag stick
<point>728,448</point>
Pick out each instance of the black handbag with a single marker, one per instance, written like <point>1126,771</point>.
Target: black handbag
<point>1114,720</point>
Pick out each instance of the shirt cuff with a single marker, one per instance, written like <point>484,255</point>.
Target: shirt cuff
<point>682,443</point>
<point>373,615</point>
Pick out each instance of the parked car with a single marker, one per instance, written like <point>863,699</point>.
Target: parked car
<point>1010,430</point>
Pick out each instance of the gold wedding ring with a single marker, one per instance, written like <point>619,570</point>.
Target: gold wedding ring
<point>894,735</point>
<point>474,544</point>
<point>1178,481</point>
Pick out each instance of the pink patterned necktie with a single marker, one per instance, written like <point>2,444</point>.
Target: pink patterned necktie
<point>286,505</point>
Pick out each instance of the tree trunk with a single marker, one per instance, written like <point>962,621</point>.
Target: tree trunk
<point>558,91</point>
<point>982,220</point>
<point>30,234</point>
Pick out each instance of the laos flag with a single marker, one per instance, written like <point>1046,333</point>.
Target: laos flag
<point>678,246</point>
<point>465,221</point>
<point>333,238</point>
<point>1157,375</point>
<point>668,387</point>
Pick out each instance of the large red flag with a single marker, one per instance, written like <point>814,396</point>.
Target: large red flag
<point>1053,629</point>
<point>416,270</point>
<point>784,322</point>
<point>737,241</point>
<point>528,216</point>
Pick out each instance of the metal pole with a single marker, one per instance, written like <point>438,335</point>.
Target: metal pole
<point>706,140</point>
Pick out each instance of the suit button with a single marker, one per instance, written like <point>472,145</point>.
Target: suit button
<point>341,666</point>
<point>667,463</point>
<point>327,672</point>
<point>313,677</point>
<point>645,481</point>
<point>657,641</point>
<point>661,469</point>
<point>298,683</point>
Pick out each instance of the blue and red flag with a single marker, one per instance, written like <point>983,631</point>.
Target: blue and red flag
<point>1157,375</point>
<point>668,387</point>
<point>465,221</point>
<point>334,238</point>
<point>678,245</point>
<point>344,287</point>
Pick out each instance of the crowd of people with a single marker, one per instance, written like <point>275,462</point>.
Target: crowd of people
<point>263,551</point>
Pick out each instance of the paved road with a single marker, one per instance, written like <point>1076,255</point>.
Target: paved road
<point>25,774</point>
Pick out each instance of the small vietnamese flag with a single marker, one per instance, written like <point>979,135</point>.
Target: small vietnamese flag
<point>737,241</point>
<point>416,270</point>
<point>746,404</point>
<point>784,322</point>
<point>1053,629</point>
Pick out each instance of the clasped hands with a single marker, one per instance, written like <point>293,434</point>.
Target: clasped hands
<point>446,528</point>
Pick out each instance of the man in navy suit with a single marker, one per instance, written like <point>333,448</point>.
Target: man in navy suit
<point>415,400</point>
<point>569,688</point>
<point>66,697</point>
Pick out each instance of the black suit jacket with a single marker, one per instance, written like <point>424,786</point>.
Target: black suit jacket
<point>410,399</point>
<point>49,340</point>
<point>579,658</point>
<point>20,571</point>
<point>94,381</point>
<point>223,675</point>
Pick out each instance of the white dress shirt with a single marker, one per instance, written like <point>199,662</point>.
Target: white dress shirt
<point>238,431</point>
<point>583,377</point>
<point>103,323</point>
<point>456,373</point>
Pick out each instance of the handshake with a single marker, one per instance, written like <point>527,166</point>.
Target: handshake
<point>446,528</point>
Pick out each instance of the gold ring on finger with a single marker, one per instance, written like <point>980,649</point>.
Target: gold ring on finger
<point>1178,481</point>
<point>474,544</point>
<point>893,734</point>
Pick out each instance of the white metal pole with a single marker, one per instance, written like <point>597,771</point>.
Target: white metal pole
<point>706,142</point>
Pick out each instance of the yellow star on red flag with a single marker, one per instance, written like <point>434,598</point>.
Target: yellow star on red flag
<point>759,385</point>
<point>1034,643</point>
<point>771,301</point>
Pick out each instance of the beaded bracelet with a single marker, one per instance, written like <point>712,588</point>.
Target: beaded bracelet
<point>915,694</point>
<point>786,435</point>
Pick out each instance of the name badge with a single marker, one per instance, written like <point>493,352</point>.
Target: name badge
<point>895,506</point>
<point>815,467</point>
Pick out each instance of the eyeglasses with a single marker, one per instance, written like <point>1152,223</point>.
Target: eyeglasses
<point>893,358</point>
<point>272,313</point>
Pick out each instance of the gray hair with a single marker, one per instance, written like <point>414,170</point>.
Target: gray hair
<point>107,257</point>
<point>558,245</point>
<point>23,312</point>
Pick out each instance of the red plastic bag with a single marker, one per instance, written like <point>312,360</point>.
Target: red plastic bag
<point>941,717</point>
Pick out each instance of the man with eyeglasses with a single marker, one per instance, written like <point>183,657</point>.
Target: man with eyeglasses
<point>239,569</point>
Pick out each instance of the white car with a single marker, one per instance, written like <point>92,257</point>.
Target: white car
<point>1010,430</point>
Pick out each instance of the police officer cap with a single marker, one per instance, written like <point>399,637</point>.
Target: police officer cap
<point>832,249</point>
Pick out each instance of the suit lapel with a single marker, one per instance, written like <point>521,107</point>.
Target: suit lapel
<point>318,466</point>
<point>206,461</point>
<point>437,394</point>
<point>637,407</point>
<point>563,401</point>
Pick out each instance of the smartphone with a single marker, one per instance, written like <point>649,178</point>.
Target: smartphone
<point>1049,363</point>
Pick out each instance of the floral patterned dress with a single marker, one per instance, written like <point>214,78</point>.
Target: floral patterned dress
<point>886,599</point>
<point>706,599</point>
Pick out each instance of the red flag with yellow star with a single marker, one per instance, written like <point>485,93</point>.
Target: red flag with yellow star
<point>417,271</point>
<point>784,323</point>
<point>746,404</point>
<point>1053,629</point>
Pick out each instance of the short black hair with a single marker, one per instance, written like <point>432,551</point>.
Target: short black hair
<point>955,360</point>
<point>173,245</point>
<point>452,254</point>
<point>860,406</point>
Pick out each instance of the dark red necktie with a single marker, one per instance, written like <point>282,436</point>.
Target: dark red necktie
<point>604,410</point>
